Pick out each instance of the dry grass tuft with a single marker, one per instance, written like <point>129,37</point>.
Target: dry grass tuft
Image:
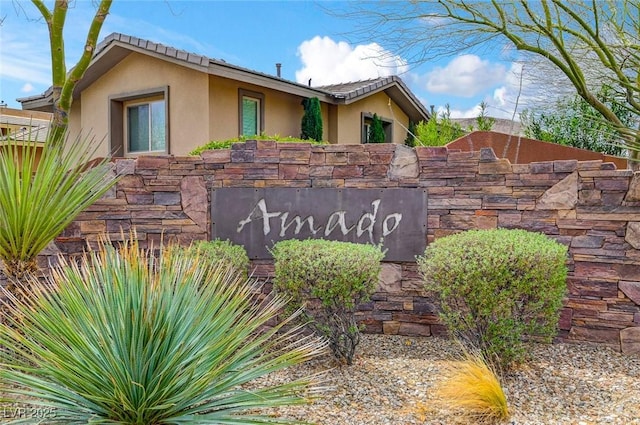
<point>471,388</point>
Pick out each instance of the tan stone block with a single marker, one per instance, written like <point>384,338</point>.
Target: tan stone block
<point>390,278</point>
<point>195,200</point>
<point>632,236</point>
<point>404,163</point>
<point>561,196</point>
<point>390,327</point>
<point>633,195</point>
<point>630,340</point>
<point>631,290</point>
<point>93,226</point>
<point>501,166</point>
<point>414,329</point>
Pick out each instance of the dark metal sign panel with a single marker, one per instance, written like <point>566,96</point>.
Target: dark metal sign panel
<point>258,218</point>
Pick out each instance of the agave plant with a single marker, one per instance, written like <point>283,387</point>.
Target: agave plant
<point>131,337</point>
<point>41,193</point>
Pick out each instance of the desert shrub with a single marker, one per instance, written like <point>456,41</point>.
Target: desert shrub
<point>471,387</point>
<point>133,337</point>
<point>328,279</point>
<point>495,287</point>
<point>221,251</point>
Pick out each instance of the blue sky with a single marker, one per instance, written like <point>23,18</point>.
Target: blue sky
<point>304,36</point>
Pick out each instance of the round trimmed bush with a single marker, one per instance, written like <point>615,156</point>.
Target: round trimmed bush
<point>496,287</point>
<point>328,279</point>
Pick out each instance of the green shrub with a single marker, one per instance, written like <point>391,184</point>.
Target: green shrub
<point>328,279</point>
<point>497,286</point>
<point>221,251</point>
<point>438,131</point>
<point>376,130</point>
<point>226,144</point>
<point>129,337</point>
<point>311,123</point>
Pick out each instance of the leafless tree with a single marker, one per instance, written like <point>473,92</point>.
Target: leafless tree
<point>589,43</point>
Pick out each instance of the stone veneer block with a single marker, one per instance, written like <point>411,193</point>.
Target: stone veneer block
<point>151,162</point>
<point>431,153</point>
<point>404,164</point>
<point>565,166</point>
<point>414,329</point>
<point>379,147</point>
<point>347,171</point>
<point>290,156</point>
<point>216,156</point>
<point>630,340</point>
<point>487,155</point>
<point>541,167</point>
<point>194,200</point>
<point>561,196</point>
<point>390,279</point>
<point>499,166</point>
<point>631,290</point>
<point>125,166</point>
<point>266,144</point>
<point>358,158</point>
<point>633,194</point>
<point>632,236</point>
<point>336,158</point>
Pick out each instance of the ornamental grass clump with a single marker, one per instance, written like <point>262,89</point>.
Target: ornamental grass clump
<point>496,288</point>
<point>328,279</point>
<point>131,337</point>
<point>472,389</point>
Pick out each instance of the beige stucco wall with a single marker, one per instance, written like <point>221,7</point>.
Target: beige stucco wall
<point>188,100</point>
<point>204,107</point>
<point>350,119</point>
<point>282,116</point>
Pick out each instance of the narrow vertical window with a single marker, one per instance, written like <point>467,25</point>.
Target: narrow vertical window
<point>250,116</point>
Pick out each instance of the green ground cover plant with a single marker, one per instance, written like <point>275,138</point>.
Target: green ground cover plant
<point>328,279</point>
<point>496,287</point>
<point>226,144</point>
<point>126,336</point>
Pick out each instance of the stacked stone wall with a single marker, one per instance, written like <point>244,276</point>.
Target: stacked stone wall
<point>589,206</point>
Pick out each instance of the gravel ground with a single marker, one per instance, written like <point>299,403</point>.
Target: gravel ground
<point>393,377</point>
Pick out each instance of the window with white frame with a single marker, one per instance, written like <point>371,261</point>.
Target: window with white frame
<point>250,112</point>
<point>146,127</point>
<point>250,116</point>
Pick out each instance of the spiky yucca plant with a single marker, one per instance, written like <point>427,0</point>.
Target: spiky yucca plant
<point>41,194</point>
<point>472,388</point>
<point>129,337</point>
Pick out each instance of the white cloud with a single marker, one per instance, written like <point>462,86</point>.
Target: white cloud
<point>27,88</point>
<point>326,61</point>
<point>465,76</point>
<point>518,92</point>
<point>462,113</point>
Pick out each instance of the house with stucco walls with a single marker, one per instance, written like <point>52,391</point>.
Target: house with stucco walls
<point>140,97</point>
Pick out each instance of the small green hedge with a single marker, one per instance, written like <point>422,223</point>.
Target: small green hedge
<point>328,279</point>
<point>226,144</point>
<point>221,251</point>
<point>497,286</point>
